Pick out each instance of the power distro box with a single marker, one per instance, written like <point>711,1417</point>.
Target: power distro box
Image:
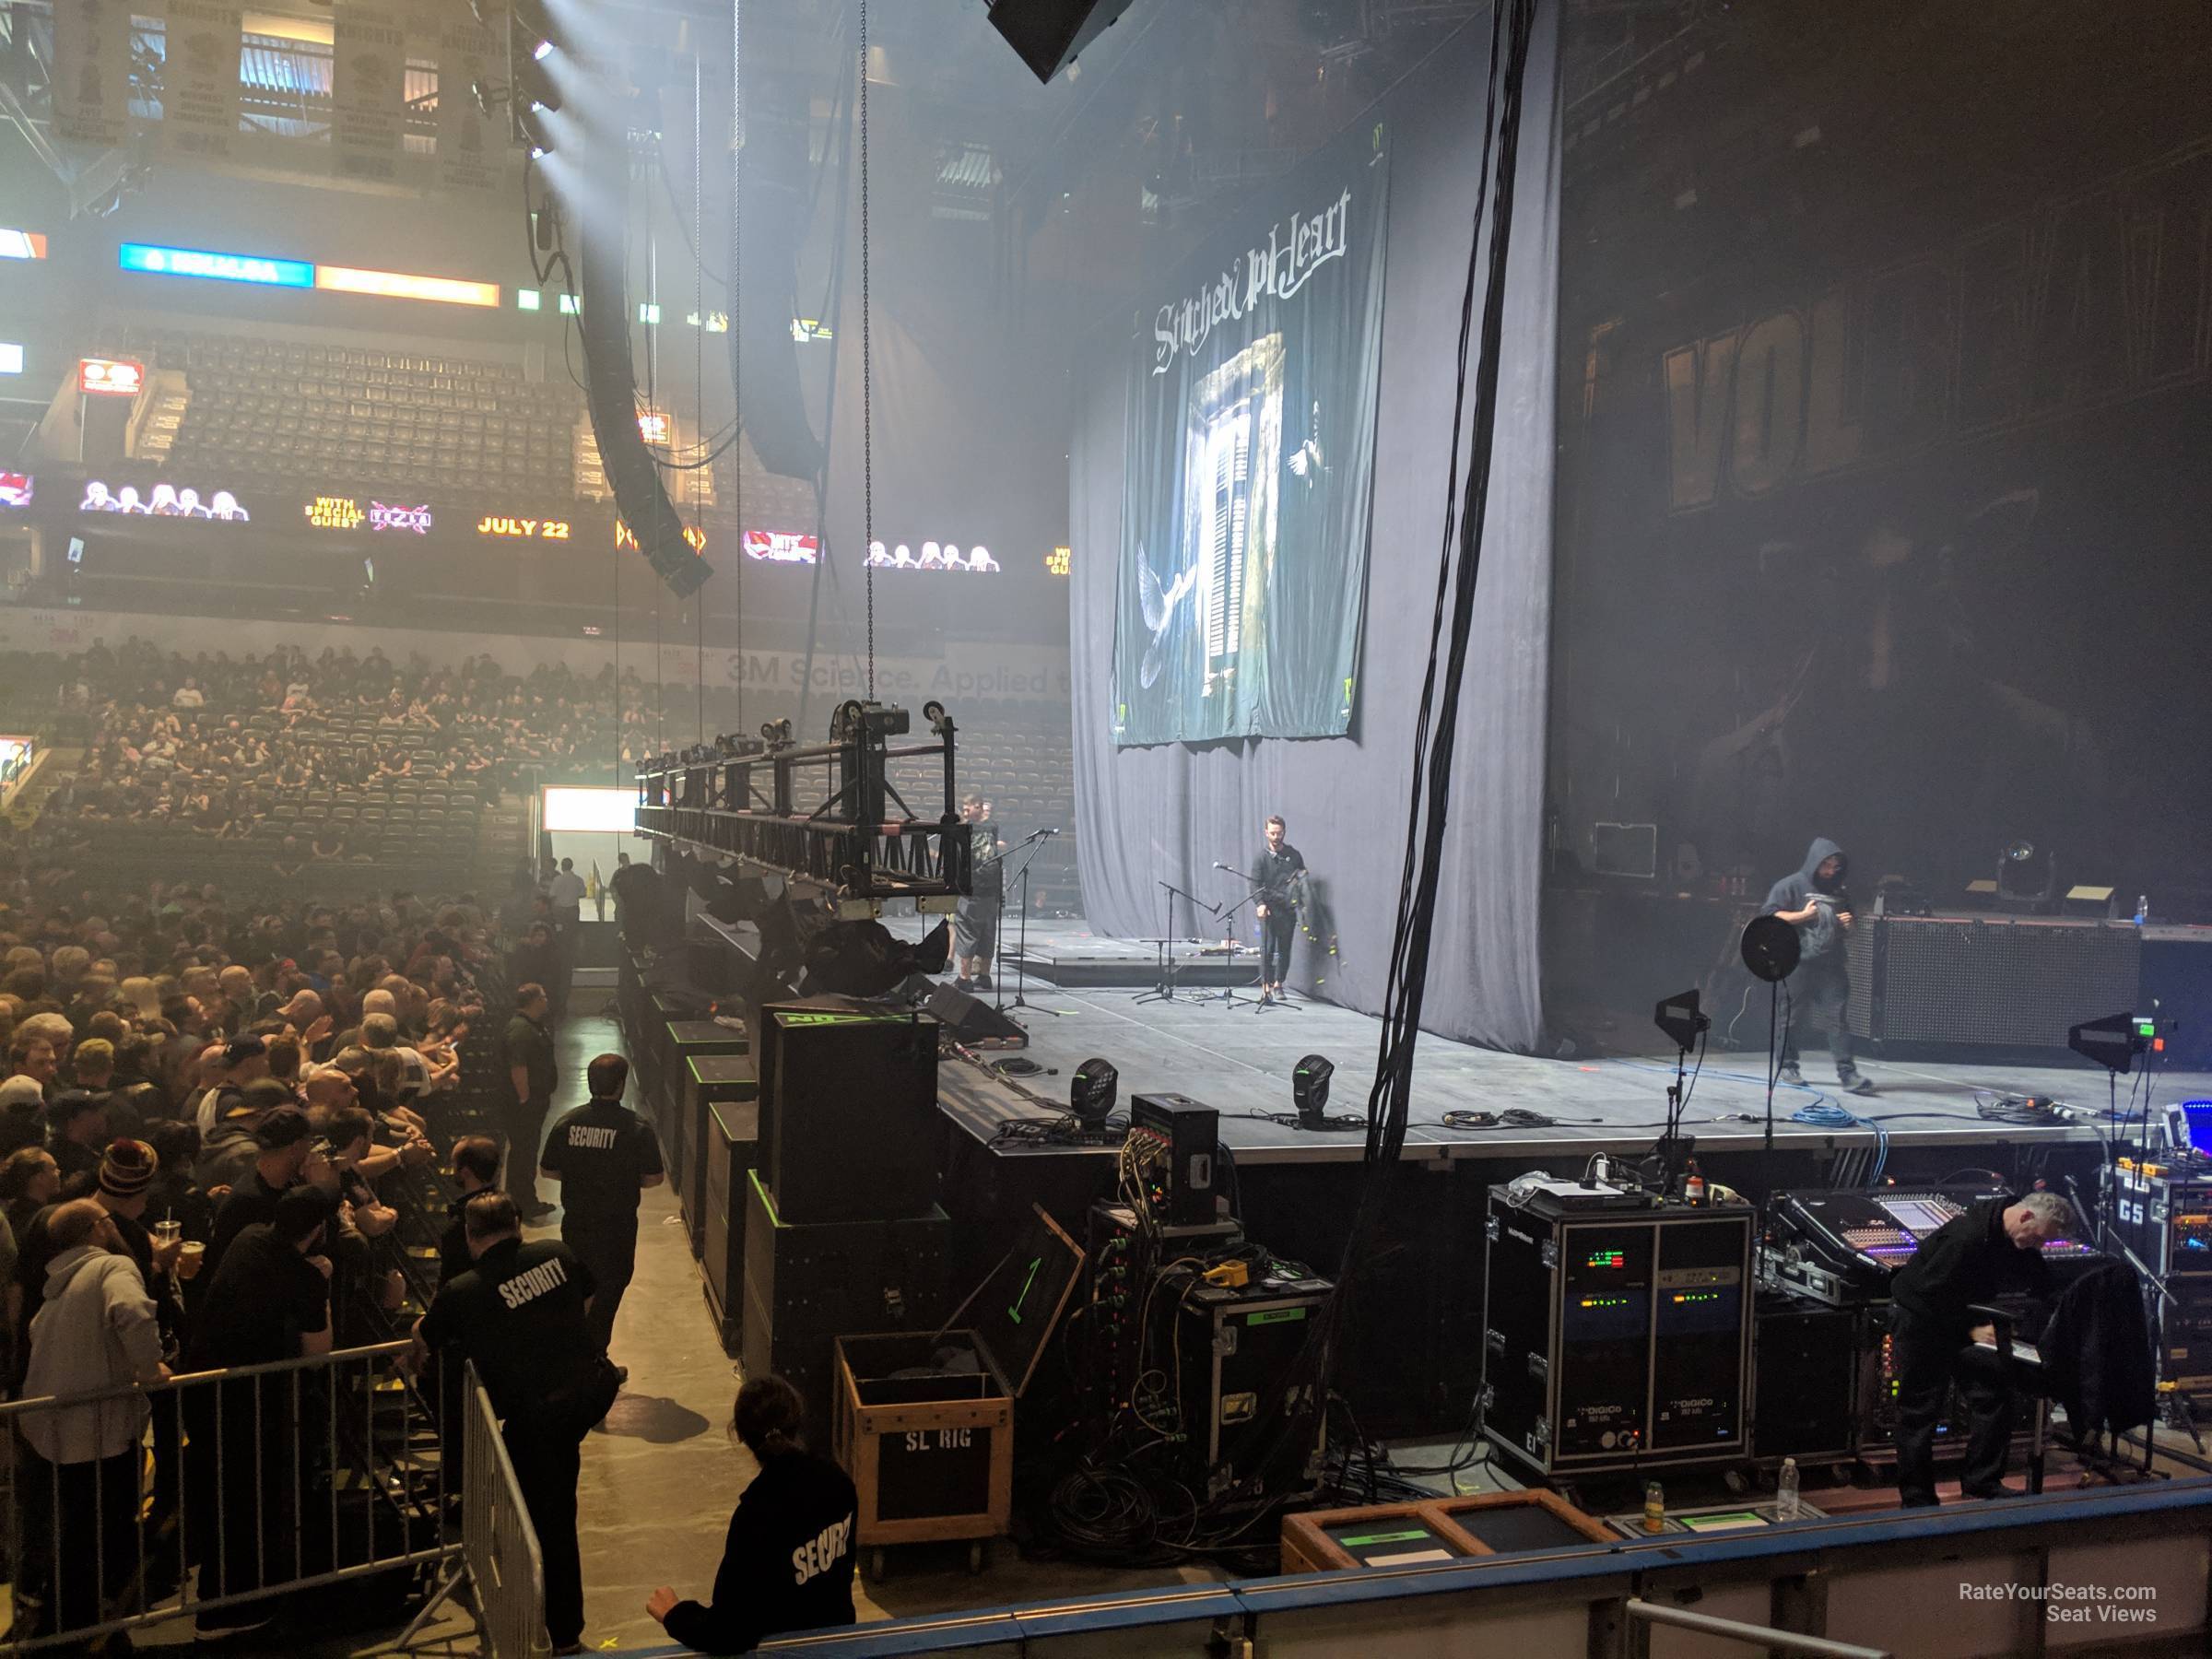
<point>1617,1334</point>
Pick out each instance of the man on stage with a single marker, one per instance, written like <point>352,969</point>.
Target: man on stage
<point>1995,1249</point>
<point>1274,873</point>
<point>1813,901</point>
<point>975,918</point>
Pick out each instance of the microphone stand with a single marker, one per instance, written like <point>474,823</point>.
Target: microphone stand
<point>1165,989</point>
<point>1034,843</point>
<point>1228,937</point>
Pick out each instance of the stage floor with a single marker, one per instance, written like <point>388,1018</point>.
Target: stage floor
<point>1238,1058</point>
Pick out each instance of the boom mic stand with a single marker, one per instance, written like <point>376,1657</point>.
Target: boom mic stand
<point>1034,843</point>
<point>1228,994</point>
<point>1164,990</point>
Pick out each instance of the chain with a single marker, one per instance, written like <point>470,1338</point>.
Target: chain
<point>737,164</point>
<point>698,363</point>
<point>867,370</point>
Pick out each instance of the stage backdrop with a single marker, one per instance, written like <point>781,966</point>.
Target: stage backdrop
<point>1891,528</point>
<point>1170,811</point>
<point>1251,456</point>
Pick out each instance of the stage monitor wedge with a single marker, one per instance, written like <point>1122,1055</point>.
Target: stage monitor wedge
<point>1049,34</point>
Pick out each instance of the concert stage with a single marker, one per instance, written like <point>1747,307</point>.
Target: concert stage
<point>1067,953</point>
<point>1238,1057</point>
<point>1414,1363</point>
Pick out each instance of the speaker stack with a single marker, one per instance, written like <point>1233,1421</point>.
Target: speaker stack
<point>843,1234</point>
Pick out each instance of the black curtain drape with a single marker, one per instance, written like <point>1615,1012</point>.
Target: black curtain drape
<point>1168,812</point>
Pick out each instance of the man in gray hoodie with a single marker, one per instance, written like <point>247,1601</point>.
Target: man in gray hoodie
<point>1817,903</point>
<point>79,1485</point>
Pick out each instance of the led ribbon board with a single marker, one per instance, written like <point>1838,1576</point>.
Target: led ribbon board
<point>932,557</point>
<point>501,526</point>
<point>163,501</point>
<point>107,377</point>
<point>396,285</point>
<point>782,547</point>
<point>151,261</point>
<point>14,490</point>
<point>692,534</point>
<point>11,357</point>
<point>416,518</point>
<point>216,267</point>
<point>22,244</point>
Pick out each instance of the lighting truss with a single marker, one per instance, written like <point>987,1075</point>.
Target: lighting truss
<point>825,815</point>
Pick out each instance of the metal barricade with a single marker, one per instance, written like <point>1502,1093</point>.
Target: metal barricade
<point>215,1489</point>
<point>499,1541</point>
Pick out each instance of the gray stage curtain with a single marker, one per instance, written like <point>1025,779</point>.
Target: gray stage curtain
<point>1168,812</point>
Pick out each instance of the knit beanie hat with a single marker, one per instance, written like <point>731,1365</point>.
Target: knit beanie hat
<point>126,1167</point>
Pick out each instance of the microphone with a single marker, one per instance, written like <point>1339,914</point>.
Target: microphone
<point>1053,830</point>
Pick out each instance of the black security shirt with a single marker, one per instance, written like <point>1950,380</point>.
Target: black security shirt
<point>1969,1259</point>
<point>519,1314</point>
<point>599,1152</point>
<point>530,1045</point>
<point>787,1564</point>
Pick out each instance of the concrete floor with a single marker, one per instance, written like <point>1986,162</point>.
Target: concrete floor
<point>662,1473</point>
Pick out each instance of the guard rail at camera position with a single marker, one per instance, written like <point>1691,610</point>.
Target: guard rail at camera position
<point>2061,1571</point>
<point>825,815</point>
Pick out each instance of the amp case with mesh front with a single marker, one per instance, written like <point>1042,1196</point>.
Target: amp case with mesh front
<point>1994,982</point>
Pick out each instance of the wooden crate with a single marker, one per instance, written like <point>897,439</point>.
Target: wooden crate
<point>1433,1529</point>
<point>931,1457</point>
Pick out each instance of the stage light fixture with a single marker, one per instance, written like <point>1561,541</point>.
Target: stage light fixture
<point>2115,1041</point>
<point>1092,1092</point>
<point>1309,1090</point>
<point>535,130</point>
<point>1679,1017</point>
<point>1769,947</point>
<point>2027,874</point>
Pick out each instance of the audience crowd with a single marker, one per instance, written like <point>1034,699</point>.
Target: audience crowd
<point>210,742</point>
<point>201,1100</point>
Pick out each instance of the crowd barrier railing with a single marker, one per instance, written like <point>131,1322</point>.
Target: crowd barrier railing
<point>499,1558</point>
<point>223,1488</point>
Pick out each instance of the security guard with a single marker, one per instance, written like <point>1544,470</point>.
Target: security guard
<point>604,1155</point>
<point>532,1077</point>
<point>787,1562</point>
<point>520,1314</point>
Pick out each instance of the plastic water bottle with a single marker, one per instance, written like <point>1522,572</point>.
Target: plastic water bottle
<point>1654,1509</point>
<point>2142,908</point>
<point>1786,1504</point>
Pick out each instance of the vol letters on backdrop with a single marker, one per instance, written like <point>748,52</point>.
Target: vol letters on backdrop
<point>1250,462</point>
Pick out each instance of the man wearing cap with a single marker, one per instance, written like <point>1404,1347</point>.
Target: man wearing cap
<point>531,1078</point>
<point>241,1061</point>
<point>604,1155</point>
<point>78,1486</point>
<point>286,1155</point>
<point>23,1114</point>
<point>521,1314</point>
<point>229,1150</point>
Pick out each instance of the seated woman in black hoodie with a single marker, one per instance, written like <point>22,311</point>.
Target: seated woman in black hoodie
<point>788,1563</point>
